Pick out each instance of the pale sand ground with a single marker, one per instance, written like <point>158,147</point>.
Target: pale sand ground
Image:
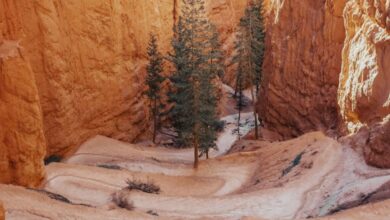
<point>222,187</point>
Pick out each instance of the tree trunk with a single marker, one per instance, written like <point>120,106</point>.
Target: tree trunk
<point>155,121</point>
<point>196,154</point>
<point>239,119</point>
<point>255,114</point>
<point>207,154</point>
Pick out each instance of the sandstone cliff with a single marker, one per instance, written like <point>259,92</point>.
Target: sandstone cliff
<point>302,65</point>
<point>74,69</point>
<point>364,93</point>
<point>22,143</point>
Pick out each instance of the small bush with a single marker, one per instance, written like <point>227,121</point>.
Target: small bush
<point>148,187</point>
<point>220,125</point>
<point>151,212</point>
<point>53,159</point>
<point>121,201</point>
<point>293,164</point>
<point>109,166</point>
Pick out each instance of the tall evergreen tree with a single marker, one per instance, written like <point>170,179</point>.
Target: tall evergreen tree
<point>182,95</point>
<point>240,97</point>
<point>153,81</point>
<point>208,94</point>
<point>250,52</point>
<point>196,59</point>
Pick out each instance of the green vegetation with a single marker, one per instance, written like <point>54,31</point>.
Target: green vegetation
<point>293,164</point>
<point>250,55</point>
<point>153,81</point>
<point>197,60</point>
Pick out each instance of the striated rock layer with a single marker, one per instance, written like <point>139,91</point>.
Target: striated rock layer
<point>302,65</point>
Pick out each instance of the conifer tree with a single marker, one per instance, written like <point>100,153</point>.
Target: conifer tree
<point>182,95</point>
<point>250,52</point>
<point>208,94</point>
<point>240,97</point>
<point>196,59</point>
<point>153,81</point>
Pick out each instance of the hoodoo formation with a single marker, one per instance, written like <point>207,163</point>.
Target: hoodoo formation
<point>76,134</point>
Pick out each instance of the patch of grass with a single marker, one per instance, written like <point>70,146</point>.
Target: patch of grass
<point>148,187</point>
<point>294,163</point>
<point>121,201</point>
<point>52,159</point>
<point>109,166</point>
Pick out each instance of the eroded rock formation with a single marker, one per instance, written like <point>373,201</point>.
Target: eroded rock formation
<point>302,66</point>
<point>364,93</point>
<point>22,143</point>
<point>72,69</point>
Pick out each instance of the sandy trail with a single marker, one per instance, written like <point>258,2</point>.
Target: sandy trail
<point>95,149</point>
<point>228,187</point>
<point>233,172</point>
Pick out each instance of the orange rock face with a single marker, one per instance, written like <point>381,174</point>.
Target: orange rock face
<point>71,70</point>
<point>302,65</point>
<point>22,143</point>
<point>364,93</point>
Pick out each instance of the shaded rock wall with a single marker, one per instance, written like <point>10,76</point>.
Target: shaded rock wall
<point>302,65</point>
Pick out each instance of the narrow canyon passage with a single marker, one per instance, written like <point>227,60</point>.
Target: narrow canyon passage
<point>107,106</point>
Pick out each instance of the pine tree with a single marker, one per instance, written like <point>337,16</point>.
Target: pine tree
<point>153,81</point>
<point>182,95</point>
<point>240,97</point>
<point>196,59</point>
<point>250,52</point>
<point>208,94</point>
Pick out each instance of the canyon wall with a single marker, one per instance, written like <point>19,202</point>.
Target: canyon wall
<point>22,143</point>
<point>327,68</point>
<point>77,70</point>
<point>73,69</point>
<point>302,65</point>
<point>364,93</point>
